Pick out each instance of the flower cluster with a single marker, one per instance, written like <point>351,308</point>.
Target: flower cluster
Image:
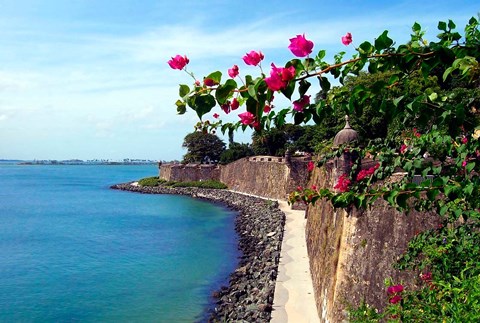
<point>247,118</point>
<point>253,58</point>
<point>178,62</point>
<point>279,77</point>
<point>301,103</point>
<point>347,39</point>
<point>300,46</point>
<point>233,72</point>
<point>230,106</point>
<point>343,183</point>
<point>310,166</point>
<point>367,172</point>
<point>427,278</point>
<point>394,293</point>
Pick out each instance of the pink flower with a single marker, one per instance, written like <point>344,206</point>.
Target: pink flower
<point>416,133</point>
<point>299,188</point>
<point>301,103</point>
<point>197,83</point>
<point>267,108</point>
<point>234,105</point>
<point>343,183</point>
<point>464,140</point>
<point>216,115</point>
<point>427,277</point>
<point>233,72</point>
<point>226,107</point>
<point>347,39</point>
<point>247,118</point>
<point>279,77</point>
<point>403,148</point>
<point>178,62</point>
<point>300,46</point>
<point>395,299</point>
<point>367,172</point>
<point>395,289</point>
<point>310,166</point>
<point>314,187</point>
<point>464,163</point>
<point>253,58</point>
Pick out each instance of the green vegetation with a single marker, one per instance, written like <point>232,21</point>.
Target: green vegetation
<point>149,181</point>
<point>155,181</point>
<point>201,184</point>
<point>202,147</point>
<point>422,98</point>
<point>236,151</point>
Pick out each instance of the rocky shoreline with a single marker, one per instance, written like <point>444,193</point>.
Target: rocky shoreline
<point>259,224</point>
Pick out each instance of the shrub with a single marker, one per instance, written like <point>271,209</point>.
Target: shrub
<point>149,181</point>
<point>202,184</point>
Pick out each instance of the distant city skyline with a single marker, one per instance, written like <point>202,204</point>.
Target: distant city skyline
<point>90,80</point>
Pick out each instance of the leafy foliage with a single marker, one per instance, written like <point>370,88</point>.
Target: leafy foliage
<point>422,97</point>
<point>202,147</point>
<point>236,151</point>
<point>201,184</point>
<point>149,181</point>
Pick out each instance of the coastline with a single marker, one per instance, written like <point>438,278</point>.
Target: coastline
<point>260,228</point>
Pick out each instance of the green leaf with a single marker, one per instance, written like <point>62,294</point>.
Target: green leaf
<point>184,90</point>
<point>396,101</point>
<point>181,108</point>
<point>470,167</point>
<point>321,55</point>
<point>303,87</point>
<point>443,210</point>
<point>433,96</point>
<point>288,91</point>
<point>402,200</point>
<point>390,197</point>
<point>442,26</point>
<point>447,72</point>
<point>224,91</point>
<point>204,104</point>
<point>431,194</point>
<point>324,84</point>
<point>416,28</point>
<point>215,76</point>
<point>451,24</point>
<point>365,48</point>
<point>383,41</point>
<point>252,91</point>
<point>468,189</point>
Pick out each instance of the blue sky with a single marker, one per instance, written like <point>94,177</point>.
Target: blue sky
<point>89,79</point>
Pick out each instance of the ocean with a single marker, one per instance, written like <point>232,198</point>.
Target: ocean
<point>74,250</point>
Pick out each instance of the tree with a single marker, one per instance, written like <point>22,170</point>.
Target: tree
<point>202,147</point>
<point>236,151</point>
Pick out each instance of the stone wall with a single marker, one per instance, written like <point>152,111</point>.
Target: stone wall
<point>351,252</point>
<point>267,176</point>
<point>189,172</point>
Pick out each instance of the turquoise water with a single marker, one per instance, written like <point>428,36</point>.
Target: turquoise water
<point>73,250</point>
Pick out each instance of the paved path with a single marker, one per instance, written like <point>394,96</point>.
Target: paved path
<point>294,300</point>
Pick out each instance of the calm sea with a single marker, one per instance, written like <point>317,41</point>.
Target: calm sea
<point>73,250</point>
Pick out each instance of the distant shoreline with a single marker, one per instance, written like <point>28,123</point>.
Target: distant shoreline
<point>259,225</point>
<point>82,163</point>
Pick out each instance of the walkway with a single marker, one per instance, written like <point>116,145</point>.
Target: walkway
<point>294,299</point>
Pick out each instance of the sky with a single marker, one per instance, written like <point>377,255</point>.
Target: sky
<point>89,79</point>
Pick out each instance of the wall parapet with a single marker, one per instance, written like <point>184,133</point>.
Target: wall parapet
<point>266,176</point>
